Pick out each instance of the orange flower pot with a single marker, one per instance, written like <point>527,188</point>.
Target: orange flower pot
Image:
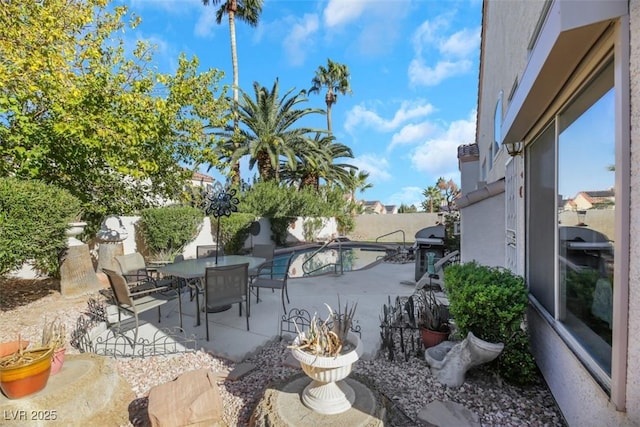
<point>21,380</point>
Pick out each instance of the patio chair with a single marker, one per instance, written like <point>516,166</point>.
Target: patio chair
<point>267,276</point>
<point>226,285</point>
<point>138,276</point>
<point>265,251</point>
<point>209,251</point>
<point>139,302</point>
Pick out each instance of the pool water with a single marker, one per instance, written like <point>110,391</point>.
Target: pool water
<point>305,263</point>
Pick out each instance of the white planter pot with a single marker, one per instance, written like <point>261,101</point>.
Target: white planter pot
<point>327,393</point>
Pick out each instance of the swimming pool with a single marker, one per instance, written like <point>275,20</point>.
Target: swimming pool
<point>355,256</point>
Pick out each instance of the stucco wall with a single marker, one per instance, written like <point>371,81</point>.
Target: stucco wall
<point>502,64</point>
<point>483,222</point>
<point>369,227</point>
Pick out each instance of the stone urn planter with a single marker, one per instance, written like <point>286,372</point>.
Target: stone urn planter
<point>327,393</point>
<point>25,372</point>
<point>75,229</point>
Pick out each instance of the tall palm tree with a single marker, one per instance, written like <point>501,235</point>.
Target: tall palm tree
<point>335,77</point>
<point>247,11</point>
<point>266,132</point>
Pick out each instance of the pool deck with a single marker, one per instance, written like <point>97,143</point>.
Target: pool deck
<point>370,288</point>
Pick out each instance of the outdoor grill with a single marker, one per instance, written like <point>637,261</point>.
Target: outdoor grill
<point>429,240</point>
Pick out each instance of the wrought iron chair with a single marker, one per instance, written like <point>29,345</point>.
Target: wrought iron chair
<point>209,251</point>
<point>226,285</point>
<point>268,276</point>
<point>139,302</point>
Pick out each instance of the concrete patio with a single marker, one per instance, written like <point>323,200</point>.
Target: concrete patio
<point>369,288</point>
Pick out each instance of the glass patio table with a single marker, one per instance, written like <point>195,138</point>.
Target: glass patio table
<point>190,269</point>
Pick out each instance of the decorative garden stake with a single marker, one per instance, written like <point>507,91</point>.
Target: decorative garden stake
<point>219,202</point>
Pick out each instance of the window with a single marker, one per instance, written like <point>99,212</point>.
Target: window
<point>570,251</point>
<point>497,127</point>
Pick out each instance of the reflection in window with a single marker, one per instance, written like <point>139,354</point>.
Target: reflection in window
<point>578,145</point>
<point>586,221</point>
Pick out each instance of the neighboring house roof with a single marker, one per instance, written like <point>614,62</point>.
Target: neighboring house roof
<point>198,176</point>
<point>391,209</point>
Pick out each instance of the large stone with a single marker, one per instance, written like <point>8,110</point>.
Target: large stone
<point>281,406</point>
<point>191,399</point>
<point>448,414</point>
<point>87,391</point>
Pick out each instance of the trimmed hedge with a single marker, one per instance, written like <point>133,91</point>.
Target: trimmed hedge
<point>492,302</point>
<point>167,230</point>
<point>33,220</point>
<point>234,230</point>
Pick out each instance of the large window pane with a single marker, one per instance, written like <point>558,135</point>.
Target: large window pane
<point>542,218</point>
<point>586,220</point>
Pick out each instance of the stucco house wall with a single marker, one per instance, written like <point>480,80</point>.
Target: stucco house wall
<point>508,57</point>
<point>483,222</point>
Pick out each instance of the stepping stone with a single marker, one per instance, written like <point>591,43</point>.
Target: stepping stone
<point>446,414</point>
<point>240,371</point>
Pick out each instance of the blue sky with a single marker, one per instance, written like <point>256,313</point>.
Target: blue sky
<point>413,64</point>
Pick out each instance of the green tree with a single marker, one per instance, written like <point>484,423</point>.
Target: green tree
<point>335,77</point>
<point>318,159</point>
<point>247,11</point>
<point>268,129</point>
<point>407,209</point>
<point>433,200</point>
<point>357,181</point>
<point>82,113</point>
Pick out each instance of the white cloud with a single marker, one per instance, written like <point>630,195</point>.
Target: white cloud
<point>452,54</point>
<point>422,74</point>
<point>206,22</point>
<point>297,41</point>
<point>361,116</point>
<point>377,167</point>
<point>411,133</point>
<point>438,156</point>
<point>340,12</point>
<point>408,196</point>
<point>461,44</point>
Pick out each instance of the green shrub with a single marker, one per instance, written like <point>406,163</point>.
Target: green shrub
<point>491,303</point>
<point>234,230</point>
<point>33,219</point>
<point>167,230</point>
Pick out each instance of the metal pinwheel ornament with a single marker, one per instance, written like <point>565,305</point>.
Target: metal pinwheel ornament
<point>220,202</point>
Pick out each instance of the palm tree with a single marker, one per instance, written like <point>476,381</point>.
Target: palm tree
<point>336,79</point>
<point>357,181</point>
<point>316,159</point>
<point>266,132</point>
<point>247,11</point>
<point>433,194</point>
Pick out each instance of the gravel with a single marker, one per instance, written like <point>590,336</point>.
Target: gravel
<point>408,385</point>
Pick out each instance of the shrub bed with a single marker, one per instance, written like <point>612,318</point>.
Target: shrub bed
<point>492,303</point>
<point>33,219</point>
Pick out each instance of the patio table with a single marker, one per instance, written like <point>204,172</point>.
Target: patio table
<point>196,268</point>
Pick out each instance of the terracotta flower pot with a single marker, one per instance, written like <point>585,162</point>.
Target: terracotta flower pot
<point>20,380</point>
<point>7,348</point>
<point>432,338</point>
<point>57,360</point>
